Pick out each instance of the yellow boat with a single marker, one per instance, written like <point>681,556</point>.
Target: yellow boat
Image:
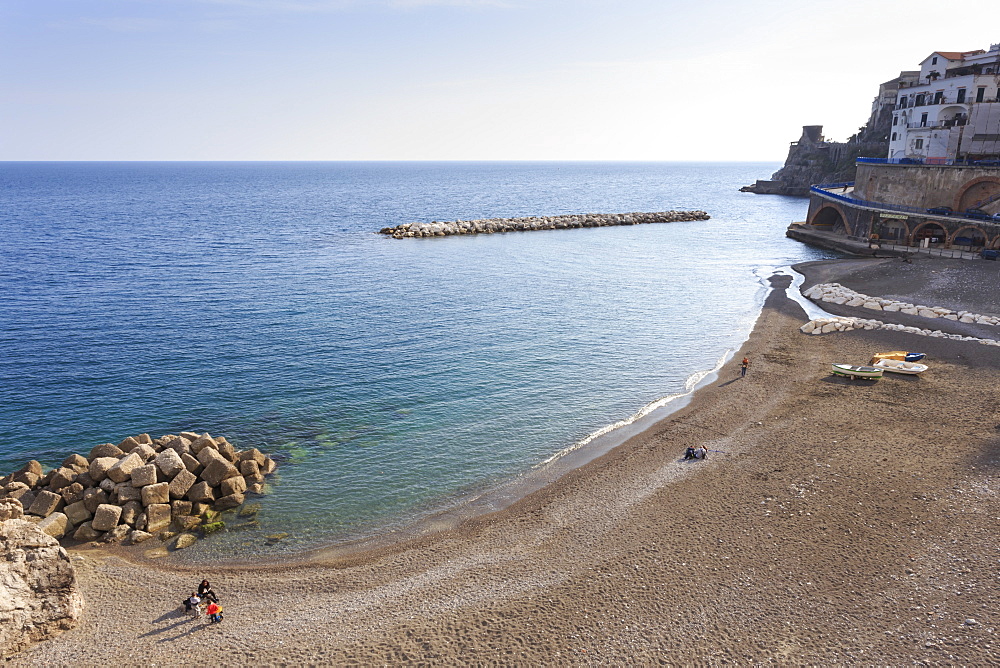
<point>898,355</point>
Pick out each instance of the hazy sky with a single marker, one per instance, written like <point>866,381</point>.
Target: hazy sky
<point>454,79</point>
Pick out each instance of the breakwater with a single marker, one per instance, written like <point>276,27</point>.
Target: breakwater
<point>533,223</point>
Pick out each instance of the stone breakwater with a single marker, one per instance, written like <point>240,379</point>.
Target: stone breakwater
<point>837,294</point>
<point>567,222</point>
<point>174,487</point>
<point>845,324</point>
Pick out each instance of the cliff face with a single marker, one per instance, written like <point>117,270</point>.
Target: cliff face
<point>812,160</point>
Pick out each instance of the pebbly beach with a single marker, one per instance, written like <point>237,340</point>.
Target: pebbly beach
<point>833,522</point>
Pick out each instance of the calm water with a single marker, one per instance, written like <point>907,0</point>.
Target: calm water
<point>253,300</point>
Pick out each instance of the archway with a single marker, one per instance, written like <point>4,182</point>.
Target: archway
<point>982,193</point>
<point>968,238</point>
<point>830,218</point>
<point>892,229</point>
<point>932,231</point>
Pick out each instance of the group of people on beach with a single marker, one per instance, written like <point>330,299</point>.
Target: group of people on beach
<point>204,602</point>
<point>695,453</point>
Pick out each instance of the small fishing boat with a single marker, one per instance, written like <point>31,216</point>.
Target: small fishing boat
<point>852,371</point>
<point>897,366</point>
<point>900,355</point>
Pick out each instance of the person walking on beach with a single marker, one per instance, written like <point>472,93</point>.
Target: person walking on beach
<point>744,365</point>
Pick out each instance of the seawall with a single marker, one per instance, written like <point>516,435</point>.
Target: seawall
<point>530,224</point>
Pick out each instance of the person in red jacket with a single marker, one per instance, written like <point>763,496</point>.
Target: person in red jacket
<point>214,612</point>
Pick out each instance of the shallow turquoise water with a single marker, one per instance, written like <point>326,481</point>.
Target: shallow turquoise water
<point>253,300</point>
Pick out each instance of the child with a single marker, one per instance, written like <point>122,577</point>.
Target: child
<point>214,612</point>
<point>191,604</point>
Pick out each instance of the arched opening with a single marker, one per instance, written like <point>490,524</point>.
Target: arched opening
<point>982,194</point>
<point>829,218</point>
<point>891,229</point>
<point>934,234</point>
<point>969,238</point>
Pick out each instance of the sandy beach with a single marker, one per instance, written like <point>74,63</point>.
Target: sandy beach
<point>834,522</point>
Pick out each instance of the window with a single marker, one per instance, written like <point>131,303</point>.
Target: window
<point>895,120</point>
<point>918,143</point>
<point>923,120</point>
<point>893,136</point>
<point>980,94</point>
<point>934,60</point>
<point>938,97</point>
<point>960,97</point>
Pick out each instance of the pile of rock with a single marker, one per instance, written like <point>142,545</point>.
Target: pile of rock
<point>843,324</point>
<point>493,225</point>
<point>140,488</point>
<point>837,294</point>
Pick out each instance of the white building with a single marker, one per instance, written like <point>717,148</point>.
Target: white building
<point>952,110</point>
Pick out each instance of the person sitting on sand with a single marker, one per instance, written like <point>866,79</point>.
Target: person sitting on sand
<point>700,452</point>
<point>206,593</point>
<point>191,603</point>
<point>214,612</point>
<point>689,453</point>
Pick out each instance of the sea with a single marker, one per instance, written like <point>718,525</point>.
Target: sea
<point>394,381</point>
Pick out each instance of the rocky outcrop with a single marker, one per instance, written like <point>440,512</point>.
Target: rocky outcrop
<point>139,487</point>
<point>39,597</point>
<point>494,225</point>
<point>812,160</point>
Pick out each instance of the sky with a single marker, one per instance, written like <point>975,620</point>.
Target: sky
<point>656,80</point>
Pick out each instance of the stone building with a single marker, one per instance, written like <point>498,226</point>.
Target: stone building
<point>939,182</point>
<point>952,110</point>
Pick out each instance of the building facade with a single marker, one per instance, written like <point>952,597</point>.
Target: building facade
<point>951,111</point>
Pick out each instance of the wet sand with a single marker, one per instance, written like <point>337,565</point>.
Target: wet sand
<point>834,521</point>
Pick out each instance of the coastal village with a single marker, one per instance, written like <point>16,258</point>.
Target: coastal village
<point>846,523</point>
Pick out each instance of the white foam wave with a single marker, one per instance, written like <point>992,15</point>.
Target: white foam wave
<point>690,384</point>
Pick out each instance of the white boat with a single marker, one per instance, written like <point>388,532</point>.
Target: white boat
<point>897,366</point>
<point>852,371</point>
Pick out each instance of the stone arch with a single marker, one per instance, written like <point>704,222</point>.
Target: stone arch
<point>931,229</point>
<point>977,190</point>
<point>831,216</point>
<point>972,233</point>
<point>995,243</point>
<point>892,229</point>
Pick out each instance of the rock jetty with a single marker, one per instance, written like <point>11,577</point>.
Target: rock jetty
<point>567,222</point>
<point>39,597</point>
<point>173,487</point>
<point>835,293</point>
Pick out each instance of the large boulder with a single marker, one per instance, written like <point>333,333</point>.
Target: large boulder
<point>158,493</point>
<point>145,475</point>
<point>170,463</point>
<point>181,483</point>
<point>201,442</point>
<point>55,525</point>
<point>105,450</point>
<point>61,477</point>
<point>131,512</point>
<point>145,452</point>
<point>77,513</point>
<point>192,464</point>
<point>94,497</point>
<point>99,467</point>
<point>234,485</point>
<point>126,492</point>
<point>217,471</point>
<point>122,471</point>
<point>72,493</point>
<point>209,455</point>
<point>201,493</point>
<point>39,598</point>
<point>46,503</point>
<point>229,501</point>
<point>253,454</point>
<point>106,517</point>
<point>78,463</point>
<point>157,517</point>
<point>86,533</point>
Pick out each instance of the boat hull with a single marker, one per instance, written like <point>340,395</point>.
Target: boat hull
<point>852,371</point>
<point>896,366</point>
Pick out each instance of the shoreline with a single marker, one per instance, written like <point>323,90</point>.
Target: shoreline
<point>838,518</point>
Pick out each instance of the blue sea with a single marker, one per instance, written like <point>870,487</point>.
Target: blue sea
<point>392,379</point>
